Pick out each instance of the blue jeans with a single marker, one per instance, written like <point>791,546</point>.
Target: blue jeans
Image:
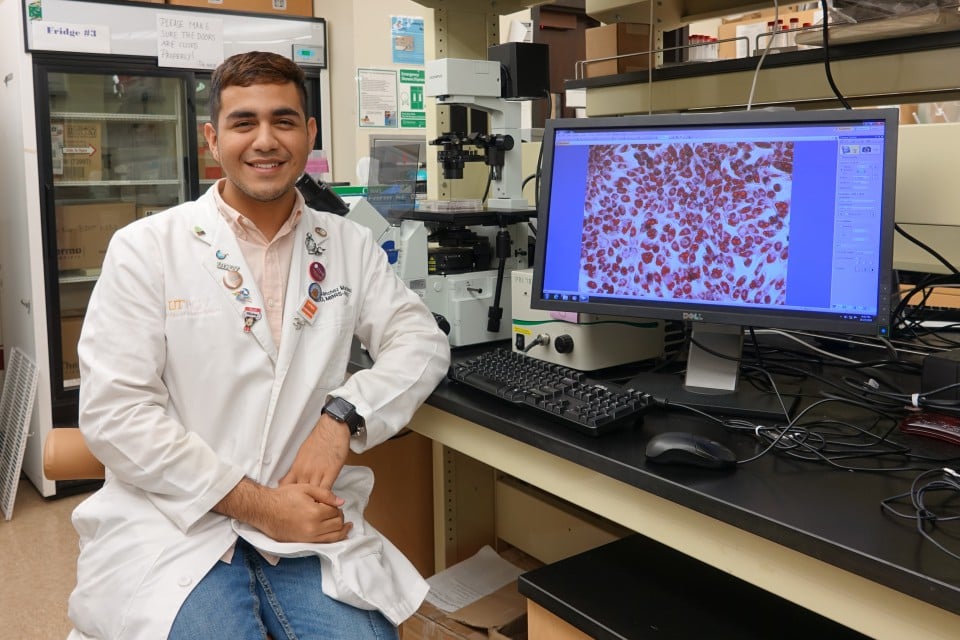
<point>249,598</point>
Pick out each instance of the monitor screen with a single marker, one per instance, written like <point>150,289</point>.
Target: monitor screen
<point>751,218</point>
<point>393,178</point>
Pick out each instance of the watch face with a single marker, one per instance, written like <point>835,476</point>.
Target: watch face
<point>343,411</point>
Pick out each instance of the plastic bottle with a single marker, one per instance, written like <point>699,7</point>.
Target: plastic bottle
<point>781,40</point>
<point>806,27</point>
<point>792,34</point>
<point>697,48</point>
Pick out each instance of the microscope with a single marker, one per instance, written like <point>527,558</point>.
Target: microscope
<point>477,84</point>
<point>404,242</point>
<point>463,285</point>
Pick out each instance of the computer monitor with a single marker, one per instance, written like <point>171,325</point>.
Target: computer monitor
<point>781,219</point>
<point>394,171</point>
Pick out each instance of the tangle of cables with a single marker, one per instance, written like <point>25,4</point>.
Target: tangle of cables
<point>929,515</point>
<point>834,427</point>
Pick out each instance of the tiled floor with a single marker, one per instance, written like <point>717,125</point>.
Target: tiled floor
<point>38,554</point>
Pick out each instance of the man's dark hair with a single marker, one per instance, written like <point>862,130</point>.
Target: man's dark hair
<point>255,67</point>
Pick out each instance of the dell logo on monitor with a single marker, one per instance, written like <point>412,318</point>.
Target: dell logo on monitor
<point>695,317</point>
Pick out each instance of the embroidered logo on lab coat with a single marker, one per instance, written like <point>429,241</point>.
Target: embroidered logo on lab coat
<point>191,307</point>
<point>325,295</point>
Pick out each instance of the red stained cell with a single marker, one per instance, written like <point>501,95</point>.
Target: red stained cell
<point>675,204</point>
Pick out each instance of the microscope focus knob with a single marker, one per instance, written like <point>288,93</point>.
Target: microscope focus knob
<point>563,344</point>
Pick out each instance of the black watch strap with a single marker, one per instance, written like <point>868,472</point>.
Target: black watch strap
<point>343,411</point>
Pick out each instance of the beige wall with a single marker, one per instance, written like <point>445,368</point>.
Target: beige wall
<point>359,37</point>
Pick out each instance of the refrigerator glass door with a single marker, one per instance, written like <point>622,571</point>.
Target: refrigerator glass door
<point>118,152</point>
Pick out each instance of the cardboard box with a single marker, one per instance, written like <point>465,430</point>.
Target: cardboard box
<point>278,7</point>
<point>613,40</point>
<point>144,210</point>
<point>70,325</point>
<point>77,150</point>
<point>84,230</point>
<point>501,615</point>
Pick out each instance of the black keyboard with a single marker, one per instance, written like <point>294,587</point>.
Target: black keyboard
<point>568,395</point>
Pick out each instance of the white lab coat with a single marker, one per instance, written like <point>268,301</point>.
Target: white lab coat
<point>180,402</point>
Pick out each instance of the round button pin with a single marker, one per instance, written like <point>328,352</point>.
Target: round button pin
<point>317,271</point>
<point>314,291</point>
<point>232,279</point>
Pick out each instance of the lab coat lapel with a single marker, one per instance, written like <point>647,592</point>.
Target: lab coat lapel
<point>307,249</point>
<point>224,262</point>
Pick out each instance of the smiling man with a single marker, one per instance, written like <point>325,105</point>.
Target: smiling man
<point>224,420</point>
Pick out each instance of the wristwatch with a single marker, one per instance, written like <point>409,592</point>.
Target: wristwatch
<point>343,411</point>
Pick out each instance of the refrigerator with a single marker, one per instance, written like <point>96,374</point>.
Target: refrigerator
<point>106,139</point>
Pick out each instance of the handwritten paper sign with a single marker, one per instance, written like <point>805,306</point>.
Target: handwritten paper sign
<point>189,42</point>
<point>61,36</point>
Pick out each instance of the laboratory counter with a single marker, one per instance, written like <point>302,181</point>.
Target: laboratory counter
<point>831,517</point>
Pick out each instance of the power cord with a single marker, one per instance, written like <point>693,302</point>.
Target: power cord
<point>756,72</point>
<point>871,391</point>
<point>541,339</point>
<point>928,249</point>
<point>486,190</point>
<point>826,55</point>
<point>925,515</point>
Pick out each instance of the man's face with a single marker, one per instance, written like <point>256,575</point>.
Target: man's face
<point>262,140</point>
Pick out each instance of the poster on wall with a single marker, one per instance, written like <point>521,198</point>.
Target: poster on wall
<point>406,39</point>
<point>412,112</point>
<point>377,96</point>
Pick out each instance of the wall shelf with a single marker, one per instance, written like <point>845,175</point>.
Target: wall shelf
<point>908,69</point>
<point>115,117</point>
<point>668,14</point>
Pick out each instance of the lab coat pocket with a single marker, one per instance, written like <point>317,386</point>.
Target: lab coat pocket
<point>328,343</point>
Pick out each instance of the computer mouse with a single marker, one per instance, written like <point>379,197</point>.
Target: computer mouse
<point>680,447</point>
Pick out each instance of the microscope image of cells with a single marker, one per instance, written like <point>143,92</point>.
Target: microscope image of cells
<point>703,221</point>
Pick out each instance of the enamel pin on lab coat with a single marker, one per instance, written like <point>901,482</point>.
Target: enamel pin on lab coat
<point>308,311</point>
<point>317,272</point>
<point>314,291</point>
<point>243,295</point>
<point>315,248</point>
<point>250,316</point>
<point>227,267</point>
<point>232,280</point>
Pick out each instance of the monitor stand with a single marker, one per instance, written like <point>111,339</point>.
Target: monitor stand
<point>712,383</point>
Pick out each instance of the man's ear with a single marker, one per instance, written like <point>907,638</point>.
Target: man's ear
<point>312,130</point>
<point>210,133</point>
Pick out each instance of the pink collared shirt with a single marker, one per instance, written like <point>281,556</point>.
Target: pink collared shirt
<point>269,260</point>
